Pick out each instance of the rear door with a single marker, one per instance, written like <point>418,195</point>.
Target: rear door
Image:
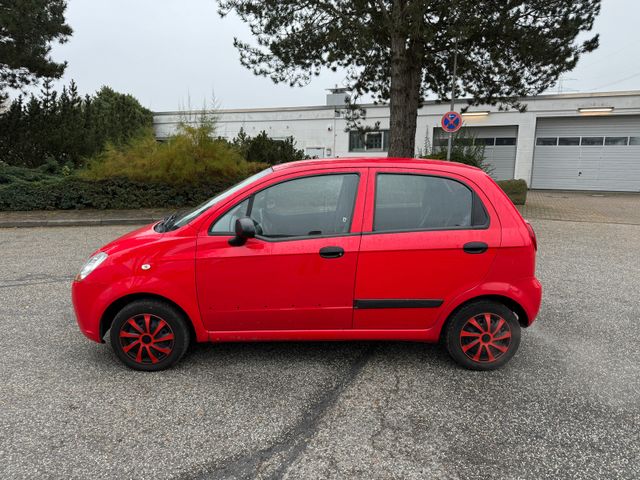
<point>427,237</point>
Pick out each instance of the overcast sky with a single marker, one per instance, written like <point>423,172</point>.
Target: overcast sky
<point>166,51</point>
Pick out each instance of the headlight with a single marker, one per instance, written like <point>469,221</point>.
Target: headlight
<point>91,265</point>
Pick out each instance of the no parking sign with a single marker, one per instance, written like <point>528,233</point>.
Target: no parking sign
<point>451,122</point>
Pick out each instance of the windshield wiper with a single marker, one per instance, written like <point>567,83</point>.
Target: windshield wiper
<point>167,222</point>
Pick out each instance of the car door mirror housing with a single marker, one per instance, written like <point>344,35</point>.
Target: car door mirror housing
<point>245,228</point>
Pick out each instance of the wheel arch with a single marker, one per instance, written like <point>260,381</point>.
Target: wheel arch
<point>112,310</point>
<point>508,302</point>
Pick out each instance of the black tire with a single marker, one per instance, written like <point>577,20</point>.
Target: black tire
<point>149,335</point>
<point>483,335</point>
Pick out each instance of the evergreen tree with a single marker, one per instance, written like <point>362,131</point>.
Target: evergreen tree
<point>27,30</point>
<point>401,50</point>
<point>64,129</point>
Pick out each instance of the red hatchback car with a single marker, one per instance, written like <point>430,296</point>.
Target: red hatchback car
<point>349,249</point>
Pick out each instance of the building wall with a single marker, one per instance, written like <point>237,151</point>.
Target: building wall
<point>319,126</point>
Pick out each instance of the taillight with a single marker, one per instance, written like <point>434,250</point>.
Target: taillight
<point>532,234</point>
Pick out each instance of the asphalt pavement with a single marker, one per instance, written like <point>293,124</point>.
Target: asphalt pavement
<point>567,406</point>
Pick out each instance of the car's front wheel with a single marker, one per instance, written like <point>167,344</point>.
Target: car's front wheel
<point>483,335</point>
<point>149,335</point>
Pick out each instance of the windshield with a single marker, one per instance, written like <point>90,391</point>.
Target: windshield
<point>185,218</point>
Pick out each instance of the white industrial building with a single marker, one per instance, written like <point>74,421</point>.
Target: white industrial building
<point>567,141</point>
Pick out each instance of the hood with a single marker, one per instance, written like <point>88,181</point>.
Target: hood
<point>136,238</point>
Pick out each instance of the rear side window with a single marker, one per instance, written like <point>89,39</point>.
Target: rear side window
<point>421,202</point>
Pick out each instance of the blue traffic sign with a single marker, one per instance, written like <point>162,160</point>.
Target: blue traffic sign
<point>451,122</point>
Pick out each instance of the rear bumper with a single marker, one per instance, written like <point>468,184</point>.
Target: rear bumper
<point>530,298</point>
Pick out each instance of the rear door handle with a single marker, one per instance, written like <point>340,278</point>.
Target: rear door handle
<point>331,252</point>
<point>475,247</point>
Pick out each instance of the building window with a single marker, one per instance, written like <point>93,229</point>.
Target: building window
<point>369,141</point>
<point>634,140</point>
<point>505,141</point>
<point>569,141</point>
<point>592,141</point>
<point>547,141</point>
<point>487,142</point>
<point>440,142</point>
<point>615,140</point>
<point>373,141</point>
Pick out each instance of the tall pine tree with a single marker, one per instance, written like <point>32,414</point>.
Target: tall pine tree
<point>402,50</point>
<point>27,30</point>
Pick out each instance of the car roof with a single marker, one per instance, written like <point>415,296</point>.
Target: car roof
<point>379,162</point>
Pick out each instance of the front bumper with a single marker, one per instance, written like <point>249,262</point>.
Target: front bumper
<point>85,295</point>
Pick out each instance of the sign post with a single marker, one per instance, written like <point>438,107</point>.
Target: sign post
<point>453,97</point>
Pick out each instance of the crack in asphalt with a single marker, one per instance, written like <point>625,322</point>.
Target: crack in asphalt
<point>383,409</point>
<point>39,280</point>
<point>292,444</point>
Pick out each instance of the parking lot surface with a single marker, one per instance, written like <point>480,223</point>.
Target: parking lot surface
<point>595,207</point>
<point>567,406</point>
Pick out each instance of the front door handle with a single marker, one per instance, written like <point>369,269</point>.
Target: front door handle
<point>475,247</point>
<point>331,252</point>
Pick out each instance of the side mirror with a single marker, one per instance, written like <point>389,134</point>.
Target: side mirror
<point>245,228</point>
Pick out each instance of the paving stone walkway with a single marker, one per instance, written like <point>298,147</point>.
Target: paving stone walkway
<point>593,207</point>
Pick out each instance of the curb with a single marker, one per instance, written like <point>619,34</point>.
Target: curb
<point>75,222</point>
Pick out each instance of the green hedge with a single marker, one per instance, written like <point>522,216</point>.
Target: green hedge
<point>68,193</point>
<point>515,189</point>
<point>73,193</point>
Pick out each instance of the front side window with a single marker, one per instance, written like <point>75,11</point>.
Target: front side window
<point>185,218</point>
<point>309,206</point>
<point>320,205</point>
<point>420,202</point>
<point>227,222</point>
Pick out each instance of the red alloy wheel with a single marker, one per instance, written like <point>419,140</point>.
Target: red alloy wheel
<point>146,338</point>
<point>485,337</point>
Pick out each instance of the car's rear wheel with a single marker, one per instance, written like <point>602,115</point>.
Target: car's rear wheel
<point>483,335</point>
<point>149,335</point>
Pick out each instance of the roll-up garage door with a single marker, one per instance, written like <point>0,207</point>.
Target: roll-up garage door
<point>588,153</point>
<point>500,145</point>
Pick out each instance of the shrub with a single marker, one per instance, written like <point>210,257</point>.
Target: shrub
<point>465,150</point>
<point>191,156</point>
<point>10,174</point>
<point>265,149</point>
<point>516,190</point>
<point>65,193</point>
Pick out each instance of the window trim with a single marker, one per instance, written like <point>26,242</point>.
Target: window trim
<point>251,197</point>
<point>474,198</point>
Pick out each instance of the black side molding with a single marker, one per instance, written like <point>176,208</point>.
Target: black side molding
<point>396,303</point>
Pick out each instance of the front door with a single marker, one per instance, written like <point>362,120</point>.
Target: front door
<point>426,239</point>
<point>299,271</point>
